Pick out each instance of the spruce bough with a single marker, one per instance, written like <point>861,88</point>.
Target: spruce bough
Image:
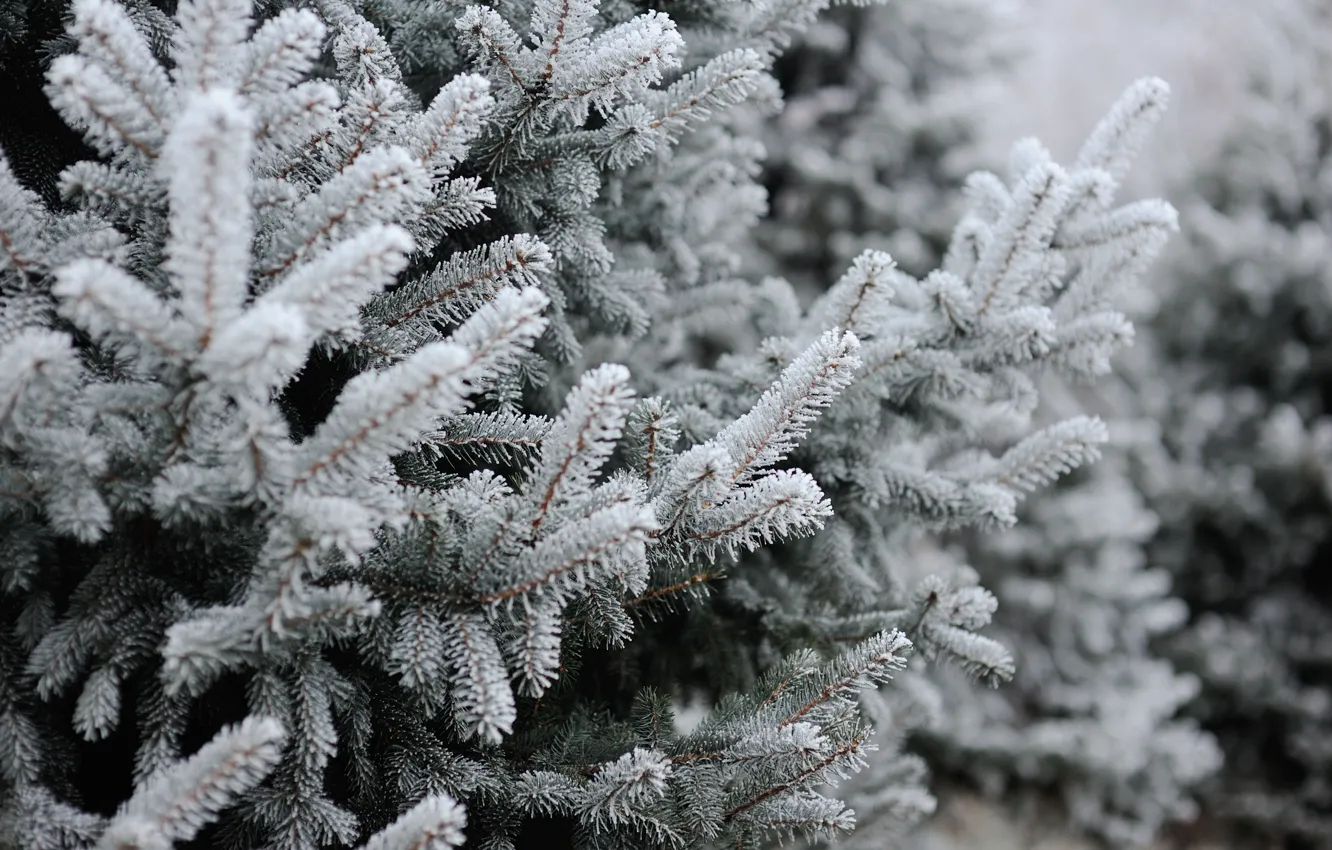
<point>420,605</point>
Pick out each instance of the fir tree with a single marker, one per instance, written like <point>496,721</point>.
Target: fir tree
<point>1095,712</point>
<point>879,131</point>
<point>1028,286</point>
<point>1241,378</point>
<point>330,518</point>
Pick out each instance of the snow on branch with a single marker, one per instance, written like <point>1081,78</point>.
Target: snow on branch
<point>1045,455</point>
<point>832,688</point>
<point>123,312</point>
<point>944,622</point>
<point>282,52</point>
<point>571,69</point>
<point>403,319</point>
<point>1012,259</point>
<point>21,216</point>
<point>113,88</point>
<point>380,413</point>
<point>435,823</point>
<point>698,478</point>
<point>1120,135</point>
<point>856,302</point>
<point>783,505</point>
<point>765,435</point>
<point>622,62</point>
<point>563,27</point>
<point>620,788</point>
<point>581,440</point>
<point>205,164</point>
<point>567,560</point>
<point>507,439</point>
<point>173,805</point>
<point>637,130</point>
<point>385,185</point>
<point>482,698</point>
<point>328,289</point>
<point>209,45</point>
<point>442,134</point>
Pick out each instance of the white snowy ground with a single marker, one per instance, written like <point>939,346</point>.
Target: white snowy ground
<point>1080,54</point>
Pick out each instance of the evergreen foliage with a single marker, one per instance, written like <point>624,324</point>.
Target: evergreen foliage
<point>1095,711</point>
<point>330,518</point>
<point>1244,344</point>
<point>948,360</point>
<point>879,131</point>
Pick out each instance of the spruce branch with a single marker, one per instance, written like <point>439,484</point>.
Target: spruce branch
<point>288,122</point>
<point>850,752</point>
<point>620,788</point>
<point>567,560</point>
<point>636,130</point>
<point>947,615</point>
<point>385,185</point>
<point>443,133</point>
<point>534,648</point>
<point>650,436</point>
<point>864,667</point>
<point>281,53</point>
<point>1120,135</point>
<point>175,804</point>
<point>380,413</point>
<point>546,792</point>
<point>1010,262</point>
<point>114,86</point>
<point>417,650</point>
<point>563,26</point>
<point>698,479</point>
<point>856,301</point>
<point>1045,455</point>
<point>454,289</point>
<point>621,62</point>
<point>118,309</point>
<point>482,698</point>
<point>581,440</point>
<point>21,215</point>
<point>782,505</point>
<point>435,823</point>
<point>764,435</point>
<point>495,438</point>
<point>90,99</point>
<point>491,39</point>
<point>1129,223</point>
<point>205,166</point>
<point>327,290</point>
<point>209,44</point>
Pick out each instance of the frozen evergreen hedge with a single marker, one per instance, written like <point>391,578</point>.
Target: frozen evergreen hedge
<point>883,111</point>
<point>330,519</point>
<point>868,153</point>
<point>1240,375</point>
<point>1096,712</point>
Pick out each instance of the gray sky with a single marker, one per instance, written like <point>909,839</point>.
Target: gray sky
<point>1081,53</point>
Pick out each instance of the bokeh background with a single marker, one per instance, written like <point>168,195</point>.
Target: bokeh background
<point>1072,57</point>
<point>1076,56</point>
